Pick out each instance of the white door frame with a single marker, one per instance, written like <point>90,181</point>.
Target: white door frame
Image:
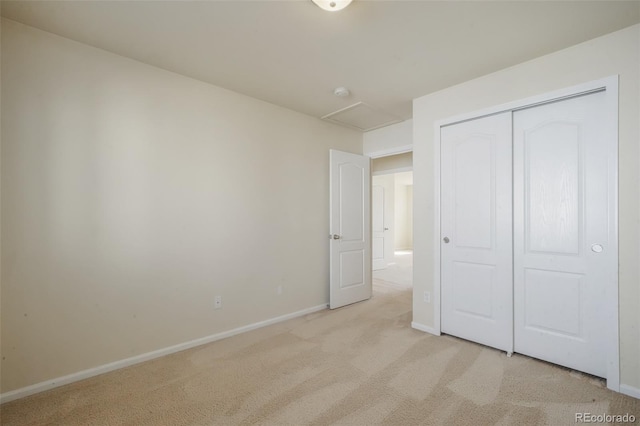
<point>390,151</point>
<point>610,85</point>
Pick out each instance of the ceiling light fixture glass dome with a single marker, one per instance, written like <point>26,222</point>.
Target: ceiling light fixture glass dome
<point>332,5</point>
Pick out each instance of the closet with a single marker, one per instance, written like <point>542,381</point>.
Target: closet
<point>528,238</point>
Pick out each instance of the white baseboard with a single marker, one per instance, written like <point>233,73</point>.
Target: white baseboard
<point>85,374</point>
<point>425,328</point>
<point>630,391</point>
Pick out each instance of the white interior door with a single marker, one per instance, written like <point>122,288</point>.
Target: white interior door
<point>378,226</point>
<point>562,256</point>
<point>350,228</point>
<point>476,227</point>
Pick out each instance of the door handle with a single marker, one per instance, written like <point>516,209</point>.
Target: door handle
<point>386,229</point>
<point>446,240</point>
<point>335,236</point>
<point>597,248</point>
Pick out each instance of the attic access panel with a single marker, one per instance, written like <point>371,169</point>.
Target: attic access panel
<point>361,116</point>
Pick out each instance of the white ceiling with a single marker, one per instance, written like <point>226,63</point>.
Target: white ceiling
<point>293,54</point>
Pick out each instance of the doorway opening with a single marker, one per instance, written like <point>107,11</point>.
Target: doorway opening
<point>392,221</point>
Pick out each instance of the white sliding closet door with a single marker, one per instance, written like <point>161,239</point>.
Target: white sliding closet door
<point>476,224</point>
<point>561,224</point>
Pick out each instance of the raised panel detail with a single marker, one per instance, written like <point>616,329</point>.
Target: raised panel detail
<point>473,286</point>
<point>351,208</point>
<point>552,302</point>
<point>552,188</point>
<point>352,268</point>
<point>474,192</point>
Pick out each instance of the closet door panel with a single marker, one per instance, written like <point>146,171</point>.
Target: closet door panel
<point>476,240</point>
<point>560,214</point>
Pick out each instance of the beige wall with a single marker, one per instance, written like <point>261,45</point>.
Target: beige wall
<point>403,211</point>
<point>392,162</point>
<point>131,196</point>
<point>616,53</point>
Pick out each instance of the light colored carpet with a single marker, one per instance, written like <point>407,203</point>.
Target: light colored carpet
<point>399,272</point>
<point>358,365</point>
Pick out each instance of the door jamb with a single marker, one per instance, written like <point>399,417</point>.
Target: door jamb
<point>392,171</point>
<point>391,151</point>
<point>610,85</point>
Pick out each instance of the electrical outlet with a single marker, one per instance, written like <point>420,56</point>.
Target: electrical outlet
<point>427,297</point>
<point>217,304</point>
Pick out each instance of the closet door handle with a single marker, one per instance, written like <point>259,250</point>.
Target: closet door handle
<point>446,240</point>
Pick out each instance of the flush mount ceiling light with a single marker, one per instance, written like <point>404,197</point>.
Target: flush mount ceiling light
<point>341,92</point>
<point>332,5</point>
